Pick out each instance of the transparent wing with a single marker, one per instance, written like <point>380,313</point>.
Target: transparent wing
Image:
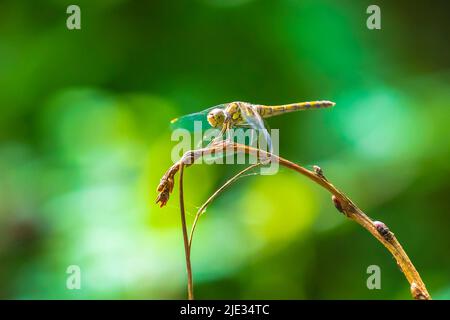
<point>259,135</point>
<point>197,124</point>
<point>188,121</point>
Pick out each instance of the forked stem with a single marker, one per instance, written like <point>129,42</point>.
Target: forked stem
<point>378,229</point>
<point>202,209</point>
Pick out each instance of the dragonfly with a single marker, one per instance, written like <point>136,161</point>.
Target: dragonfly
<point>238,114</point>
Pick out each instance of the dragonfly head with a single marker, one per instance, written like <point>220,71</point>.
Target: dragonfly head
<point>216,117</point>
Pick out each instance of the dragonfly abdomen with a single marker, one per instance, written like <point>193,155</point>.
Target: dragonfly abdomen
<point>270,111</point>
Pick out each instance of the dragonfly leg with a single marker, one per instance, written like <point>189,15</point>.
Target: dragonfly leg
<point>224,130</point>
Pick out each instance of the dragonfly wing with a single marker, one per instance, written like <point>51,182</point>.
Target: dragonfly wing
<point>256,122</point>
<point>197,123</point>
<point>188,121</point>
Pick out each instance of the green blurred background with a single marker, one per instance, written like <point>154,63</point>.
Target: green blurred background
<point>85,138</point>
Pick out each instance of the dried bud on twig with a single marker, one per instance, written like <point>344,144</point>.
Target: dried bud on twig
<point>383,230</point>
<point>318,170</point>
<point>337,204</point>
<point>417,293</point>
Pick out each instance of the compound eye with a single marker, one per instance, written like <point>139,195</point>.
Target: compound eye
<point>216,118</point>
<point>212,119</point>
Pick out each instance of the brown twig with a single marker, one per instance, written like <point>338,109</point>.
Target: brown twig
<point>340,200</point>
<point>185,237</point>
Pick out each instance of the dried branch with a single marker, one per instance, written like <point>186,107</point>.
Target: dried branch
<point>185,237</point>
<point>340,200</point>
